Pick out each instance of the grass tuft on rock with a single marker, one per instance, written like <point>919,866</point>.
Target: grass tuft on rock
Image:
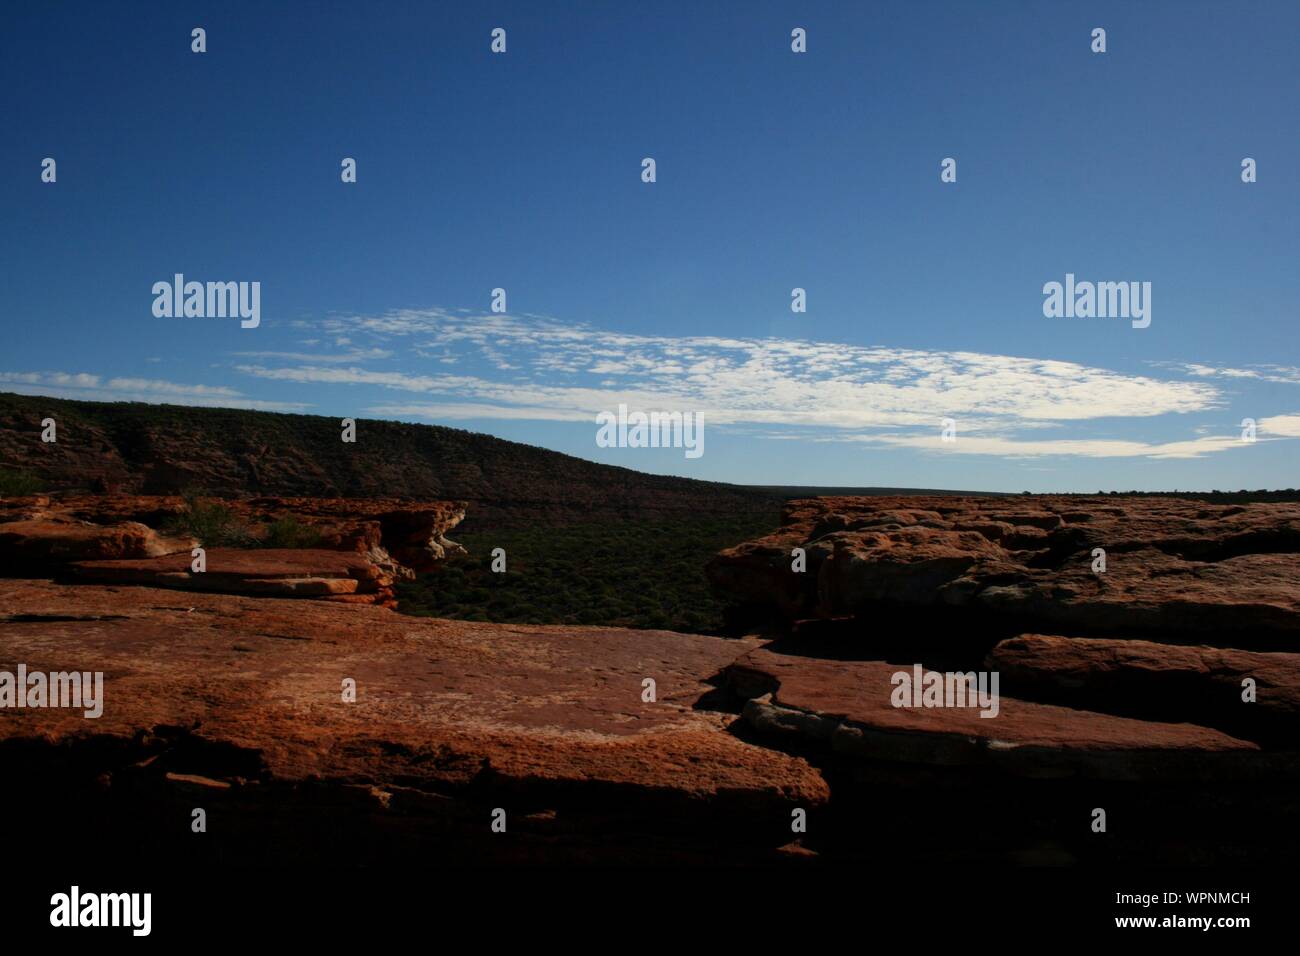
<point>18,484</point>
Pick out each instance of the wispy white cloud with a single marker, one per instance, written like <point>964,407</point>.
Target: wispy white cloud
<point>535,368</point>
<point>506,367</point>
<point>1283,374</point>
<point>353,355</point>
<point>1082,447</point>
<point>85,386</point>
<point>453,411</point>
<point>1284,426</point>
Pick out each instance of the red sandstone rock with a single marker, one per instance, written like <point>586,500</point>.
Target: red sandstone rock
<point>846,705</point>
<point>263,571</point>
<point>237,698</point>
<point>42,542</point>
<point>391,539</point>
<point>526,718</point>
<point>413,532</point>
<point>1229,574</point>
<point>1162,681</point>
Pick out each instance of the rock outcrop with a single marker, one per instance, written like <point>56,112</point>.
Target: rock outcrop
<point>43,542</point>
<point>1159,682</point>
<point>298,573</point>
<point>351,550</point>
<point>239,705</point>
<point>847,706</point>
<point>1175,570</point>
<point>406,739</point>
<point>1163,689</point>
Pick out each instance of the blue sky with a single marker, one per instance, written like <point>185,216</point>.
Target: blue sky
<point>775,170</point>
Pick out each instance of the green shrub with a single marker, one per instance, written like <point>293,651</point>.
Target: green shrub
<point>16,484</point>
<point>644,573</point>
<point>289,532</point>
<point>214,524</point>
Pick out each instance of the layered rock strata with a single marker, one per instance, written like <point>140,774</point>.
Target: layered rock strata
<point>355,550</point>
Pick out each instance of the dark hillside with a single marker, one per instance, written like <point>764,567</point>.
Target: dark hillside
<point>158,449</point>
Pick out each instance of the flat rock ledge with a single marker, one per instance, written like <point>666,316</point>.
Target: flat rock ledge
<point>237,705</point>
<point>1176,570</point>
<point>847,706</point>
<point>241,701</point>
<point>290,573</point>
<point>1246,693</point>
<point>358,549</point>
